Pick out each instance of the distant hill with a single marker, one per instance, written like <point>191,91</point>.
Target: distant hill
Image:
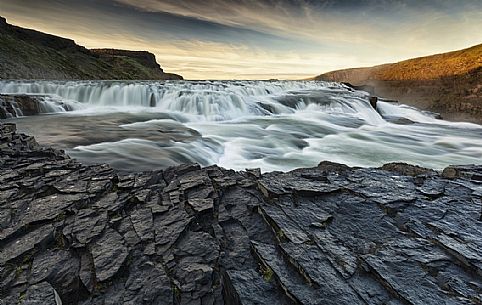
<point>449,83</point>
<point>29,54</point>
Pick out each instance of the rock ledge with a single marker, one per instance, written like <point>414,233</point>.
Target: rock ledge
<point>75,234</point>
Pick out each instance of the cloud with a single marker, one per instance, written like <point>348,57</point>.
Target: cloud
<point>264,38</point>
<point>415,27</point>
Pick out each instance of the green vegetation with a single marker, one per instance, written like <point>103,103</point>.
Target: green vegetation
<point>21,297</point>
<point>267,273</point>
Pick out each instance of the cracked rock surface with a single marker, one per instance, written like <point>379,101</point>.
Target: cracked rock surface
<point>76,234</point>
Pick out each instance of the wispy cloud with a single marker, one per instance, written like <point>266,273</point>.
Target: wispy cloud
<point>322,20</point>
<point>264,38</point>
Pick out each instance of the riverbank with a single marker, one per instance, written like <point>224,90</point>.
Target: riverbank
<point>90,234</point>
<point>448,83</point>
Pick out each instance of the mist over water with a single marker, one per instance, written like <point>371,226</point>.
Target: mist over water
<point>239,124</point>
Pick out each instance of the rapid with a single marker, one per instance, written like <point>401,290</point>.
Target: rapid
<point>272,125</point>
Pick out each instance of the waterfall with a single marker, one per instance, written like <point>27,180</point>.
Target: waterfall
<point>213,100</point>
<point>273,125</point>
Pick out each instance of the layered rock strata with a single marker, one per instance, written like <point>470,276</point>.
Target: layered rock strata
<point>75,234</point>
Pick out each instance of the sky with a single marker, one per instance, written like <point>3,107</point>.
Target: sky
<point>247,39</point>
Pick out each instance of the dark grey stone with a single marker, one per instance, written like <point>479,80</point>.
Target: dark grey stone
<point>89,235</point>
<point>109,253</point>
<point>41,294</point>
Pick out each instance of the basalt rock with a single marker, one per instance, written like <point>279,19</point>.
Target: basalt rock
<point>76,234</point>
<point>12,106</point>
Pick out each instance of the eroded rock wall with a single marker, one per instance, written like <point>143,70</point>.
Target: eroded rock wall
<point>188,235</point>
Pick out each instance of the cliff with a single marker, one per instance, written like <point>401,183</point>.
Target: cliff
<point>449,83</point>
<point>29,54</point>
<point>76,234</point>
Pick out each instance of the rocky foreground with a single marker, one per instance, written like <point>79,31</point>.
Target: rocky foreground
<point>75,234</point>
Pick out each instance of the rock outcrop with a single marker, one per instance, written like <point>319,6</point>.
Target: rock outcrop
<point>448,83</point>
<point>145,58</point>
<point>75,234</point>
<point>12,106</point>
<point>29,54</point>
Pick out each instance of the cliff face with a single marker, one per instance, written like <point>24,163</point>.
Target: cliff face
<point>29,54</point>
<point>145,58</point>
<point>449,83</point>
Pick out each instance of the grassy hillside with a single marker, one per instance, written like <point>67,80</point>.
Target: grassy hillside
<point>28,54</point>
<point>449,83</point>
<point>423,68</point>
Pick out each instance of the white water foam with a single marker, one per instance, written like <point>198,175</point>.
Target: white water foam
<point>275,125</point>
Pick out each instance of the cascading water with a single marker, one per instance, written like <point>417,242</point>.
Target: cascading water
<point>273,125</point>
<point>198,98</point>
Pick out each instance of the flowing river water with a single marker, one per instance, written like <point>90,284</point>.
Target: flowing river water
<point>272,125</point>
